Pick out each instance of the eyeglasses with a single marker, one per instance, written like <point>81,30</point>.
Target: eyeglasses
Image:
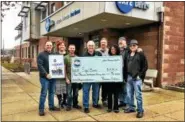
<point>133,45</point>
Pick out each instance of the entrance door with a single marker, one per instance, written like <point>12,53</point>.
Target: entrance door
<point>78,43</point>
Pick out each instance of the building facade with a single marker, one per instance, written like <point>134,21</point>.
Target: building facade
<point>158,27</point>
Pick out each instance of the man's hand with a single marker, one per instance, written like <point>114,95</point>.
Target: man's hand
<point>139,50</point>
<point>67,81</point>
<point>48,76</point>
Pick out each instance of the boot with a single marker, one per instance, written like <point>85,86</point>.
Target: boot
<point>59,96</point>
<point>64,99</point>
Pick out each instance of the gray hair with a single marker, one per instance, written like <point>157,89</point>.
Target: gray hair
<point>122,38</point>
<point>90,42</point>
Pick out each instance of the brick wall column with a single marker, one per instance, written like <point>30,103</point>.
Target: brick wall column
<point>173,43</point>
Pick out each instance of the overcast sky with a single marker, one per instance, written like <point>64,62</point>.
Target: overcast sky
<point>10,21</point>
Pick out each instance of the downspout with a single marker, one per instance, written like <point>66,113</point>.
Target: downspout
<point>30,38</point>
<point>20,47</point>
<point>160,48</point>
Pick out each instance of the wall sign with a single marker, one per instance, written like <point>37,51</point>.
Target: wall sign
<point>49,24</point>
<point>127,6</point>
<point>73,13</point>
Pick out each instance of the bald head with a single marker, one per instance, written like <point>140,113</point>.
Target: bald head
<point>48,46</point>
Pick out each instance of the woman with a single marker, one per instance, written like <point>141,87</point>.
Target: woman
<point>61,83</point>
<point>114,88</point>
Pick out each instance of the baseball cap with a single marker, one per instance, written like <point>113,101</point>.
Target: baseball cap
<point>133,41</point>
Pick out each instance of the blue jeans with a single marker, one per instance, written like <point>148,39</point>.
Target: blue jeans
<point>47,86</point>
<point>123,95</point>
<point>72,94</point>
<point>134,85</point>
<point>95,93</point>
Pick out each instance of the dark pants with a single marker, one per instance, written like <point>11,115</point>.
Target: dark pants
<point>114,89</point>
<point>72,94</point>
<point>104,92</point>
<point>115,94</point>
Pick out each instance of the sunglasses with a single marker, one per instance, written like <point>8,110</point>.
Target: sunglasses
<point>133,45</point>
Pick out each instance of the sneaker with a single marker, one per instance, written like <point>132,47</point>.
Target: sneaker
<point>97,106</point>
<point>129,111</point>
<point>125,107</point>
<point>68,108</point>
<point>41,113</point>
<point>54,109</point>
<point>116,111</point>
<point>77,107</point>
<point>109,110</point>
<point>139,115</point>
<point>86,110</point>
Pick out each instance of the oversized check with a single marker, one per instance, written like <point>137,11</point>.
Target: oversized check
<point>96,69</point>
<point>56,66</point>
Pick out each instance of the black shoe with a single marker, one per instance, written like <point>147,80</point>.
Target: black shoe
<point>109,110</point>
<point>62,106</point>
<point>54,109</point>
<point>41,113</point>
<point>116,111</point>
<point>104,103</point>
<point>77,107</point>
<point>97,106</point>
<point>86,110</point>
<point>129,111</point>
<point>139,115</point>
<point>68,108</point>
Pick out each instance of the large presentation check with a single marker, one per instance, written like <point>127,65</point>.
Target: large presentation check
<point>96,69</point>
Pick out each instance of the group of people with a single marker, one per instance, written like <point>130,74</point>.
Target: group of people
<point>113,95</point>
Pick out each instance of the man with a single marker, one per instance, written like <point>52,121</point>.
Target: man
<point>104,51</point>
<point>47,84</point>
<point>124,49</point>
<point>71,87</point>
<point>95,86</point>
<point>134,69</point>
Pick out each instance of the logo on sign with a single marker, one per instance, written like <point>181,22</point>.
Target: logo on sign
<point>125,6</point>
<point>77,63</point>
<point>49,24</point>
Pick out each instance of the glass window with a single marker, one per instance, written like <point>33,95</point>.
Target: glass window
<point>32,51</point>
<point>37,50</point>
<point>96,40</point>
<point>54,47</point>
<point>53,8</point>
<point>44,14</point>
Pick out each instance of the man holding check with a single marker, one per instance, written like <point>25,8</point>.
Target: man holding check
<point>71,87</point>
<point>95,86</point>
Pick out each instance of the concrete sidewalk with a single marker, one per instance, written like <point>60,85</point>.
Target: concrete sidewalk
<point>20,97</point>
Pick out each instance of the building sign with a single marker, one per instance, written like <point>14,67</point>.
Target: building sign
<point>127,6</point>
<point>56,66</point>
<point>73,13</point>
<point>96,69</point>
<point>49,24</point>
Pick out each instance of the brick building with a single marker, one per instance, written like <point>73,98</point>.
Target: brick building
<point>158,26</point>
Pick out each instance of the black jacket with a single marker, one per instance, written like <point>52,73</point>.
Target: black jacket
<point>43,63</point>
<point>139,65</point>
<point>96,53</point>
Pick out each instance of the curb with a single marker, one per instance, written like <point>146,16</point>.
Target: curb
<point>175,88</point>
